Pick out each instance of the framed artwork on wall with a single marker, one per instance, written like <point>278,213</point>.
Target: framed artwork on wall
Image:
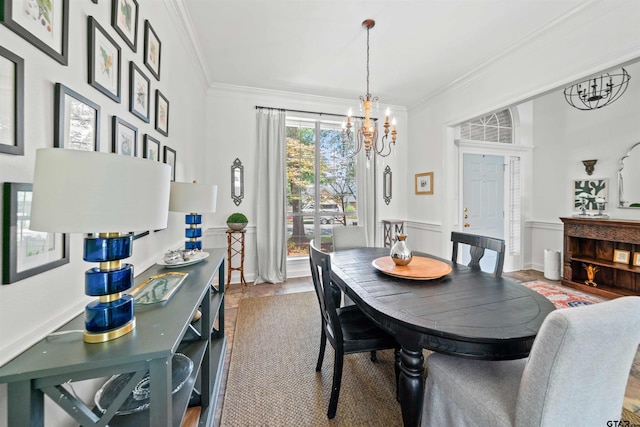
<point>44,24</point>
<point>170,159</point>
<point>151,148</point>
<point>76,122</point>
<point>124,19</point>
<point>162,113</point>
<point>152,50</point>
<point>588,191</point>
<point>12,109</point>
<point>104,61</point>
<point>26,253</point>
<point>125,138</point>
<point>140,87</point>
<point>424,183</point>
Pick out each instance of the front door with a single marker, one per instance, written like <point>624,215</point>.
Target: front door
<point>483,201</point>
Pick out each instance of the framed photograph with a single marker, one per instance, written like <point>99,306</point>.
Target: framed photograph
<point>152,50</point>
<point>621,256</point>
<point>587,191</point>
<point>76,123</point>
<point>12,103</point>
<point>151,148</point>
<point>104,61</point>
<point>162,113</point>
<point>125,138</point>
<point>124,19</point>
<point>140,87</point>
<point>26,253</point>
<point>424,183</point>
<point>44,24</point>
<point>170,159</point>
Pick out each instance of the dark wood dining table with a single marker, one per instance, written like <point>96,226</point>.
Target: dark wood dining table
<point>466,313</point>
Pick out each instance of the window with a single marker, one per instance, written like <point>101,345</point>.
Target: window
<point>321,184</point>
<point>495,127</point>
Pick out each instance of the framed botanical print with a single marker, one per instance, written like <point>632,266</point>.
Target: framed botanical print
<point>170,159</point>
<point>11,103</point>
<point>124,19</point>
<point>162,113</point>
<point>44,24</point>
<point>26,253</point>
<point>152,50</point>
<point>76,123</point>
<point>424,183</point>
<point>587,192</point>
<point>139,88</point>
<point>151,148</point>
<point>125,138</point>
<point>104,61</point>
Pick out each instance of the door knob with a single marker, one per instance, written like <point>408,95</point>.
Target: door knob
<point>466,224</point>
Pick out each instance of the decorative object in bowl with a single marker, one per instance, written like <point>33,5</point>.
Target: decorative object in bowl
<point>237,221</point>
<point>401,253</point>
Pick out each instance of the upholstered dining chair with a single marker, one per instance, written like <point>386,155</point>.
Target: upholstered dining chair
<point>347,329</point>
<point>576,374</point>
<point>478,244</point>
<point>349,237</point>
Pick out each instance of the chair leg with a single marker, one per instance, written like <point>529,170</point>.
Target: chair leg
<point>323,344</point>
<point>337,380</point>
<point>396,352</point>
<point>374,356</point>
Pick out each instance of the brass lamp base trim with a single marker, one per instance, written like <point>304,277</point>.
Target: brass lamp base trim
<point>93,338</point>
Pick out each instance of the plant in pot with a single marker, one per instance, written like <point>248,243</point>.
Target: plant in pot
<point>237,221</point>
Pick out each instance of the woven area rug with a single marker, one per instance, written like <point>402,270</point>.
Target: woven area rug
<point>562,297</point>
<point>272,379</point>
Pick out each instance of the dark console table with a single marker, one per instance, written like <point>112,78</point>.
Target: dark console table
<point>162,330</point>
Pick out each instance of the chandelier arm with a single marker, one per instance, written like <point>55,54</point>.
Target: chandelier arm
<point>382,152</point>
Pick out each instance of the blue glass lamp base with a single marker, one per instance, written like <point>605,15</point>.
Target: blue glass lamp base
<point>112,334</point>
<point>191,245</point>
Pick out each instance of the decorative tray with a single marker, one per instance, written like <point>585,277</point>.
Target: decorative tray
<point>420,268</point>
<point>192,260</point>
<point>158,288</point>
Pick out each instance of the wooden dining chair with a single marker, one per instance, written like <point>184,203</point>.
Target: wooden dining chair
<point>347,329</point>
<point>478,244</point>
<point>576,374</point>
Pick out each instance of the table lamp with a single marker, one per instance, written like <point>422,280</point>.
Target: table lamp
<point>193,198</point>
<point>107,196</point>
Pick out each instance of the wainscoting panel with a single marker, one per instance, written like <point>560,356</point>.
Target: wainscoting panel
<point>541,235</point>
<point>216,237</point>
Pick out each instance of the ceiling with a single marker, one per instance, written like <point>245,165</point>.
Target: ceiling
<point>417,47</point>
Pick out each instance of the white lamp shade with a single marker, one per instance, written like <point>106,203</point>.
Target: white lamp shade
<point>90,192</point>
<point>192,197</point>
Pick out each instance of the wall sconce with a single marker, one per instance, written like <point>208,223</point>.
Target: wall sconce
<point>589,166</point>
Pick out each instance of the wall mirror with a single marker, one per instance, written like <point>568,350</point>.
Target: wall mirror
<point>237,182</point>
<point>386,185</point>
<point>629,178</point>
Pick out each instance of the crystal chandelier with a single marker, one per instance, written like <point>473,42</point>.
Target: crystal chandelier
<point>597,92</point>
<point>367,134</point>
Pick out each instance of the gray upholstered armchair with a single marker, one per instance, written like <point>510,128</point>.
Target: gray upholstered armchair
<point>576,374</point>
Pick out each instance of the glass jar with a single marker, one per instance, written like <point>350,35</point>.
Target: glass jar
<point>401,253</point>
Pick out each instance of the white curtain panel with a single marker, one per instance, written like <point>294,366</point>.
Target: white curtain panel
<point>271,199</point>
<point>366,184</point>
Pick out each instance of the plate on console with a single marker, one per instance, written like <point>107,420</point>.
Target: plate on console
<point>420,268</point>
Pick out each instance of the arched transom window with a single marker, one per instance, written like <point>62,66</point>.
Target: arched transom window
<point>494,127</point>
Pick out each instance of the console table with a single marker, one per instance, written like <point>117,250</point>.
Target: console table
<point>392,227</point>
<point>594,242</point>
<point>161,331</point>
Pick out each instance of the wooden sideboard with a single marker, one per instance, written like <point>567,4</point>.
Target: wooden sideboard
<point>162,330</point>
<point>594,242</point>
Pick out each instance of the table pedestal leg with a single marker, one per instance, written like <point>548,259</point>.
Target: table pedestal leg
<point>411,386</point>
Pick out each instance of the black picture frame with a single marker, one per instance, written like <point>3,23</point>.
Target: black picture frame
<point>29,28</point>
<point>69,134</point>
<point>124,19</point>
<point>162,114</point>
<point>104,68</point>
<point>170,159</point>
<point>151,148</point>
<point>15,124</point>
<point>139,91</point>
<point>152,50</point>
<point>19,242</point>
<point>124,137</point>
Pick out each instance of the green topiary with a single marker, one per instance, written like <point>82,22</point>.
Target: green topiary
<point>237,218</point>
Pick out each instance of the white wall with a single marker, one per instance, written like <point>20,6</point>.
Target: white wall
<point>563,54</point>
<point>231,133</point>
<point>33,307</point>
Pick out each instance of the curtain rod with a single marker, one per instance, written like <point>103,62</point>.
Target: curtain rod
<point>258,107</point>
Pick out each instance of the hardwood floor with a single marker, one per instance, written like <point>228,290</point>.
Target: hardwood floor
<point>234,295</point>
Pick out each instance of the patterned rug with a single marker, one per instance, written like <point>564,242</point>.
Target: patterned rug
<point>562,297</point>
